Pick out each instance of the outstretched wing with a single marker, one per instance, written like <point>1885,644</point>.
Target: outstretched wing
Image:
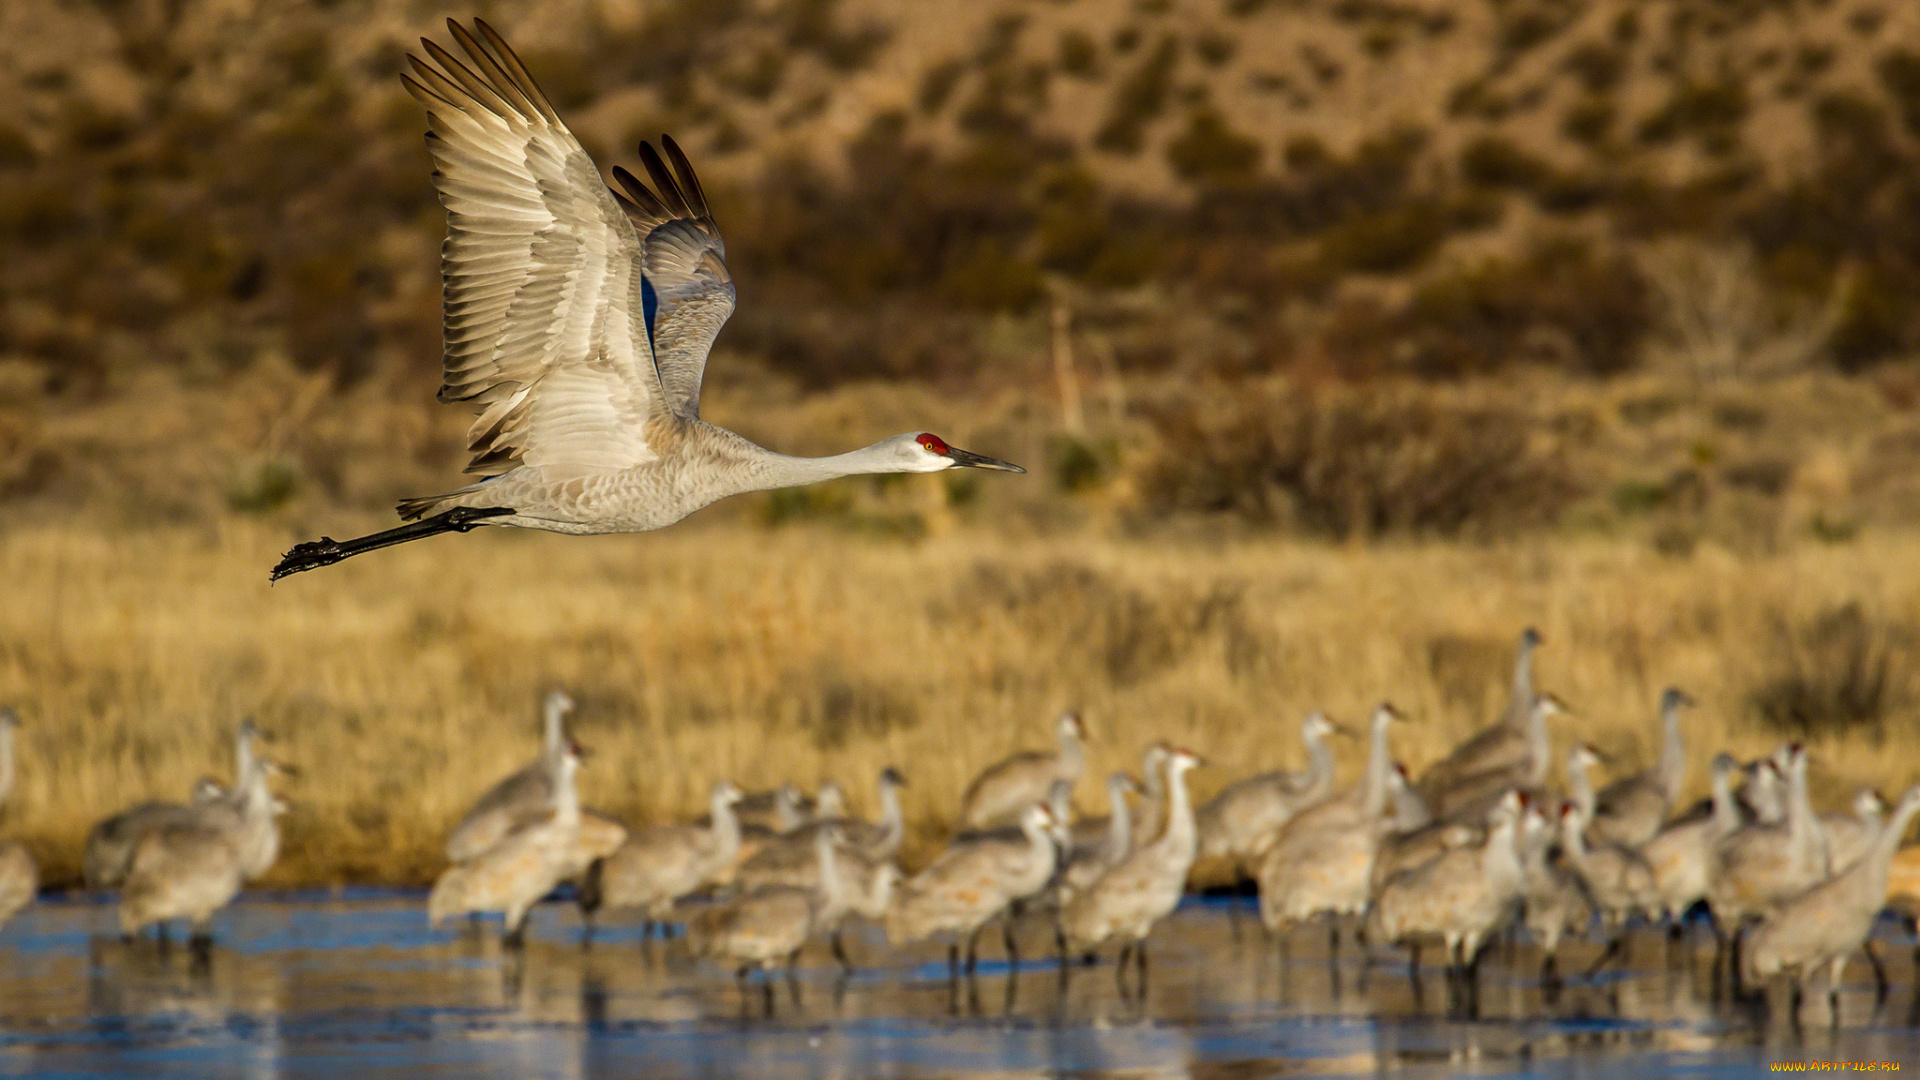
<point>541,273</point>
<point>688,292</point>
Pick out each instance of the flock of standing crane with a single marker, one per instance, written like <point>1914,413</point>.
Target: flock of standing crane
<point>1476,847</point>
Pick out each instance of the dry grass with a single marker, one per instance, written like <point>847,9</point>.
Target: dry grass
<point>405,682</point>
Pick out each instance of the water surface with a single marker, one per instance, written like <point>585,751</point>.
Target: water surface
<point>356,985</point>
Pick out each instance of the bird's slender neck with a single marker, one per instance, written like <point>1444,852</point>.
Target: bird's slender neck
<point>1580,786</point>
<point>1073,757</point>
<point>829,867</point>
<point>1180,834</point>
<point>1409,809</point>
<point>1319,757</point>
<point>1374,789</point>
<point>1521,706</point>
<point>566,794</point>
<point>244,763</point>
<point>766,470</point>
<point>1539,751</point>
<point>552,736</point>
<point>893,821</point>
<point>1119,821</point>
<point>1886,842</point>
<point>726,826</point>
<point>1673,754</point>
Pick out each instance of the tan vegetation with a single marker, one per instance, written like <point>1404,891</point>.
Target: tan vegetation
<point>1343,339</point>
<point>403,685</point>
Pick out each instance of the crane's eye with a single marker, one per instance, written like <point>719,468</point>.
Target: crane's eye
<point>933,444</point>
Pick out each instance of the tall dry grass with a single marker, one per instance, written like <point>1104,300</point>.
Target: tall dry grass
<point>405,682</point>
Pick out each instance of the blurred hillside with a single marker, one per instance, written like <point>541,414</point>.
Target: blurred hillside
<point>219,231</point>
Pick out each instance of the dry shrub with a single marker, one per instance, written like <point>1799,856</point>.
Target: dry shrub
<point>1391,460</point>
<point>1073,610</point>
<point>1838,673</point>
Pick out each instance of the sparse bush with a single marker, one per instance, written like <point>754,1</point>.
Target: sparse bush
<point>937,83</point>
<point>1491,161</point>
<point>1701,109</point>
<point>1899,71</point>
<point>1836,674</point>
<point>1139,100</point>
<point>1210,151</point>
<point>1077,54</point>
<point>1356,464</point>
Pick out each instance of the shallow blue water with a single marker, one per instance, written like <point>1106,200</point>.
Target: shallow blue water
<point>356,985</point>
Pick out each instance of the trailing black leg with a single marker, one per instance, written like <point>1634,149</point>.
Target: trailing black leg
<point>326,551</point>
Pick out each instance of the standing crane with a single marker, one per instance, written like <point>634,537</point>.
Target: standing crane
<point>1322,860</point>
<point>1760,864</point>
<point>514,874</point>
<point>1682,853</point>
<point>1143,887</point>
<point>1630,810</point>
<point>1499,745</point>
<point>1462,897</point>
<point>1617,877</point>
<point>19,873</point>
<point>524,796</point>
<point>1244,816</point>
<point>769,925</point>
<point>111,842</point>
<point>1824,924</point>
<point>976,879</point>
<point>192,868</point>
<point>655,867</point>
<point>578,323</point>
<point>1005,788</point>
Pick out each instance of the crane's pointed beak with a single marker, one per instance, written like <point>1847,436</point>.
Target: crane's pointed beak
<point>967,459</point>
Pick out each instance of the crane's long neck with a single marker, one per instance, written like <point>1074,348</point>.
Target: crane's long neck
<point>1373,791</point>
<point>760,469</point>
<point>1803,829</point>
<point>1580,786</point>
<point>1119,820</point>
<point>1073,756</point>
<point>830,885</point>
<point>1180,837</point>
<point>566,793</point>
<point>553,738</point>
<point>1522,703</point>
<point>1879,857</point>
<point>725,828</point>
<point>1673,755</point>
<point>893,822</point>
<point>1319,758</point>
<point>244,762</point>
<point>1539,750</point>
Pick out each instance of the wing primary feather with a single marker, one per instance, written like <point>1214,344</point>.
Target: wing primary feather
<point>475,86</point>
<point>689,183</point>
<point>499,81</point>
<point>522,79</point>
<point>444,88</point>
<point>663,179</point>
<point>422,94</point>
<point>642,196</point>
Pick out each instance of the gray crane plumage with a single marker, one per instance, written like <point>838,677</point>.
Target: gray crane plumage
<point>578,323</point>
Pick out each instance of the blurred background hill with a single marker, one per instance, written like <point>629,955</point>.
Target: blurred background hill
<point>1545,274</point>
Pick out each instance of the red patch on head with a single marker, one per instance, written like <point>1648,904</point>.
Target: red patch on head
<point>933,444</point>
